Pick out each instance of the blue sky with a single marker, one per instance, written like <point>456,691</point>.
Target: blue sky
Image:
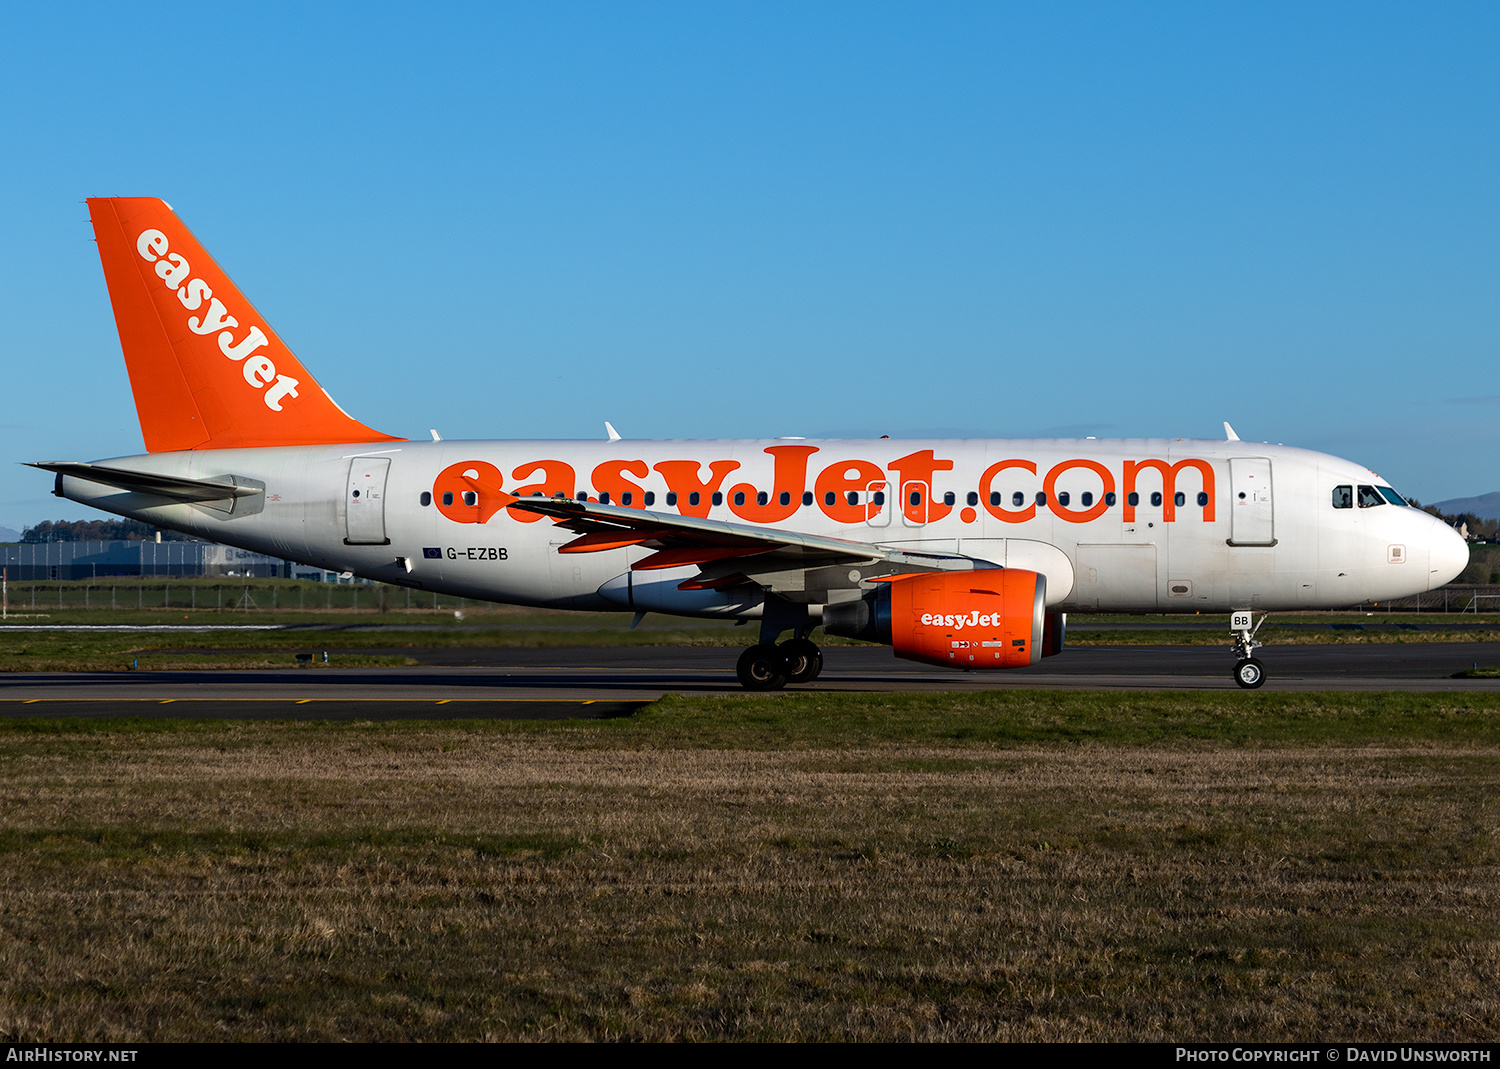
<point>694,220</point>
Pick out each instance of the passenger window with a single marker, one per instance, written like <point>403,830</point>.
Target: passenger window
<point>973,498</point>
<point>785,498</point>
<point>853,497</point>
<point>1110,499</point>
<point>1041,497</point>
<point>626,498</point>
<point>995,499</point>
<point>604,497</point>
<point>694,498</point>
<point>1132,499</point>
<point>426,499</point>
<point>1156,497</point>
<point>1179,498</point>
<point>671,497</point>
<point>650,498</point>
<point>948,499</point>
<point>1203,498</point>
<point>448,497</point>
<point>1086,499</point>
<point>916,498</point>
<point>828,498</point>
<point>807,498</point>
<point>1063,499</point>
<point>879,498</point>
<point>1369,497</point>
<point>760,497</point>
<point>739,497</point>
<point>718,498</point>
<point>471,498</point>
<point>1017,499</point>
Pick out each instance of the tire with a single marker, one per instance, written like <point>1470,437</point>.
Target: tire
<point>1249,673</point>
<point>762,668</point>
<point>804,661</point>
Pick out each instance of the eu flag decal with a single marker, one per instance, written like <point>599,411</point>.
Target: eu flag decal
<point>431,553</point>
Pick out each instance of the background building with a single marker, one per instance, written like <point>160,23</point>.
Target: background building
<point>91,560</point>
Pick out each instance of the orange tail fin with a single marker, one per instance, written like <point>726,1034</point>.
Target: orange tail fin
<point>206,370</point>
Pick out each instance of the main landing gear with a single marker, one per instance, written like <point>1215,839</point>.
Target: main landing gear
<point>769,666</point>
<point>1248,671</point>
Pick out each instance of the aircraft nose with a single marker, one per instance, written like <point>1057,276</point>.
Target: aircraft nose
<point>1448,554</point>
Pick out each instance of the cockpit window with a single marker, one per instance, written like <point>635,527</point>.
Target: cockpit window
<point>1343,497</point>
<point>1391,495</point>
<point>1369,497</point>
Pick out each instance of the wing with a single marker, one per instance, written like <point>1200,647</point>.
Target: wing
<point>728,554</point>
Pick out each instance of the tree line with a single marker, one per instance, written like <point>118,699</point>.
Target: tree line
<point>98,531</point>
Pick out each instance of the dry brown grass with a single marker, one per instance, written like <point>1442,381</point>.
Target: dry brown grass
<point>262,881</point>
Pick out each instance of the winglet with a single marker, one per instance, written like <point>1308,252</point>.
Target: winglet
<point>206,370</point>
<point>1229,435</point>
<point>609,429</point>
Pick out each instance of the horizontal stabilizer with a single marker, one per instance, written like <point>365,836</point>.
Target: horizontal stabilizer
<point>145,482</point>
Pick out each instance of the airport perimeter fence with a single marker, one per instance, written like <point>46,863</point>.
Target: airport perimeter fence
<point>1453,598</point>
<point>253,596</point>
<point>296,596</point>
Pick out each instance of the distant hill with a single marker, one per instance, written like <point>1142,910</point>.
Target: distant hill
<point>7,535</point>
<point>1486,505</point>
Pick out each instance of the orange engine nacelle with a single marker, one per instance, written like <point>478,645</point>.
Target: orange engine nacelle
<point>986,618</point>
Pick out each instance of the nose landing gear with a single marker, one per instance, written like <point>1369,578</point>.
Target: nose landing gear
<point>1249,673</point>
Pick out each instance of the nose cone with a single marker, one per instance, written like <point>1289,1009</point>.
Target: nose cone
<point>1448,554</point>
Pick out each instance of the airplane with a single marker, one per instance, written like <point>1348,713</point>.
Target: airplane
<point>956,552</point>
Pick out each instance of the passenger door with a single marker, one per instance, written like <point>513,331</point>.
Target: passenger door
<point>1252,515</point>
<point>364,502</point>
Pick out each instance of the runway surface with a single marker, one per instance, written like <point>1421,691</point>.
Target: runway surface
<point>603,682</point>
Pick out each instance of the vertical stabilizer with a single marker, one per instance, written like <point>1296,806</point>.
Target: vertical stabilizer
<point>206,370</point>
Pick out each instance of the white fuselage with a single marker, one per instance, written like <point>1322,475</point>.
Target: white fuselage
<point>1231,525</point>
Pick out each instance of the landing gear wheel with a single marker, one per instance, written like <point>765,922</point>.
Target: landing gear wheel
<point>804,661</point>
<point>1249,673</point>
<point>762,668</point>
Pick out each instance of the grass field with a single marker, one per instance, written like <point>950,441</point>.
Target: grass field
<point>1003,865</point>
